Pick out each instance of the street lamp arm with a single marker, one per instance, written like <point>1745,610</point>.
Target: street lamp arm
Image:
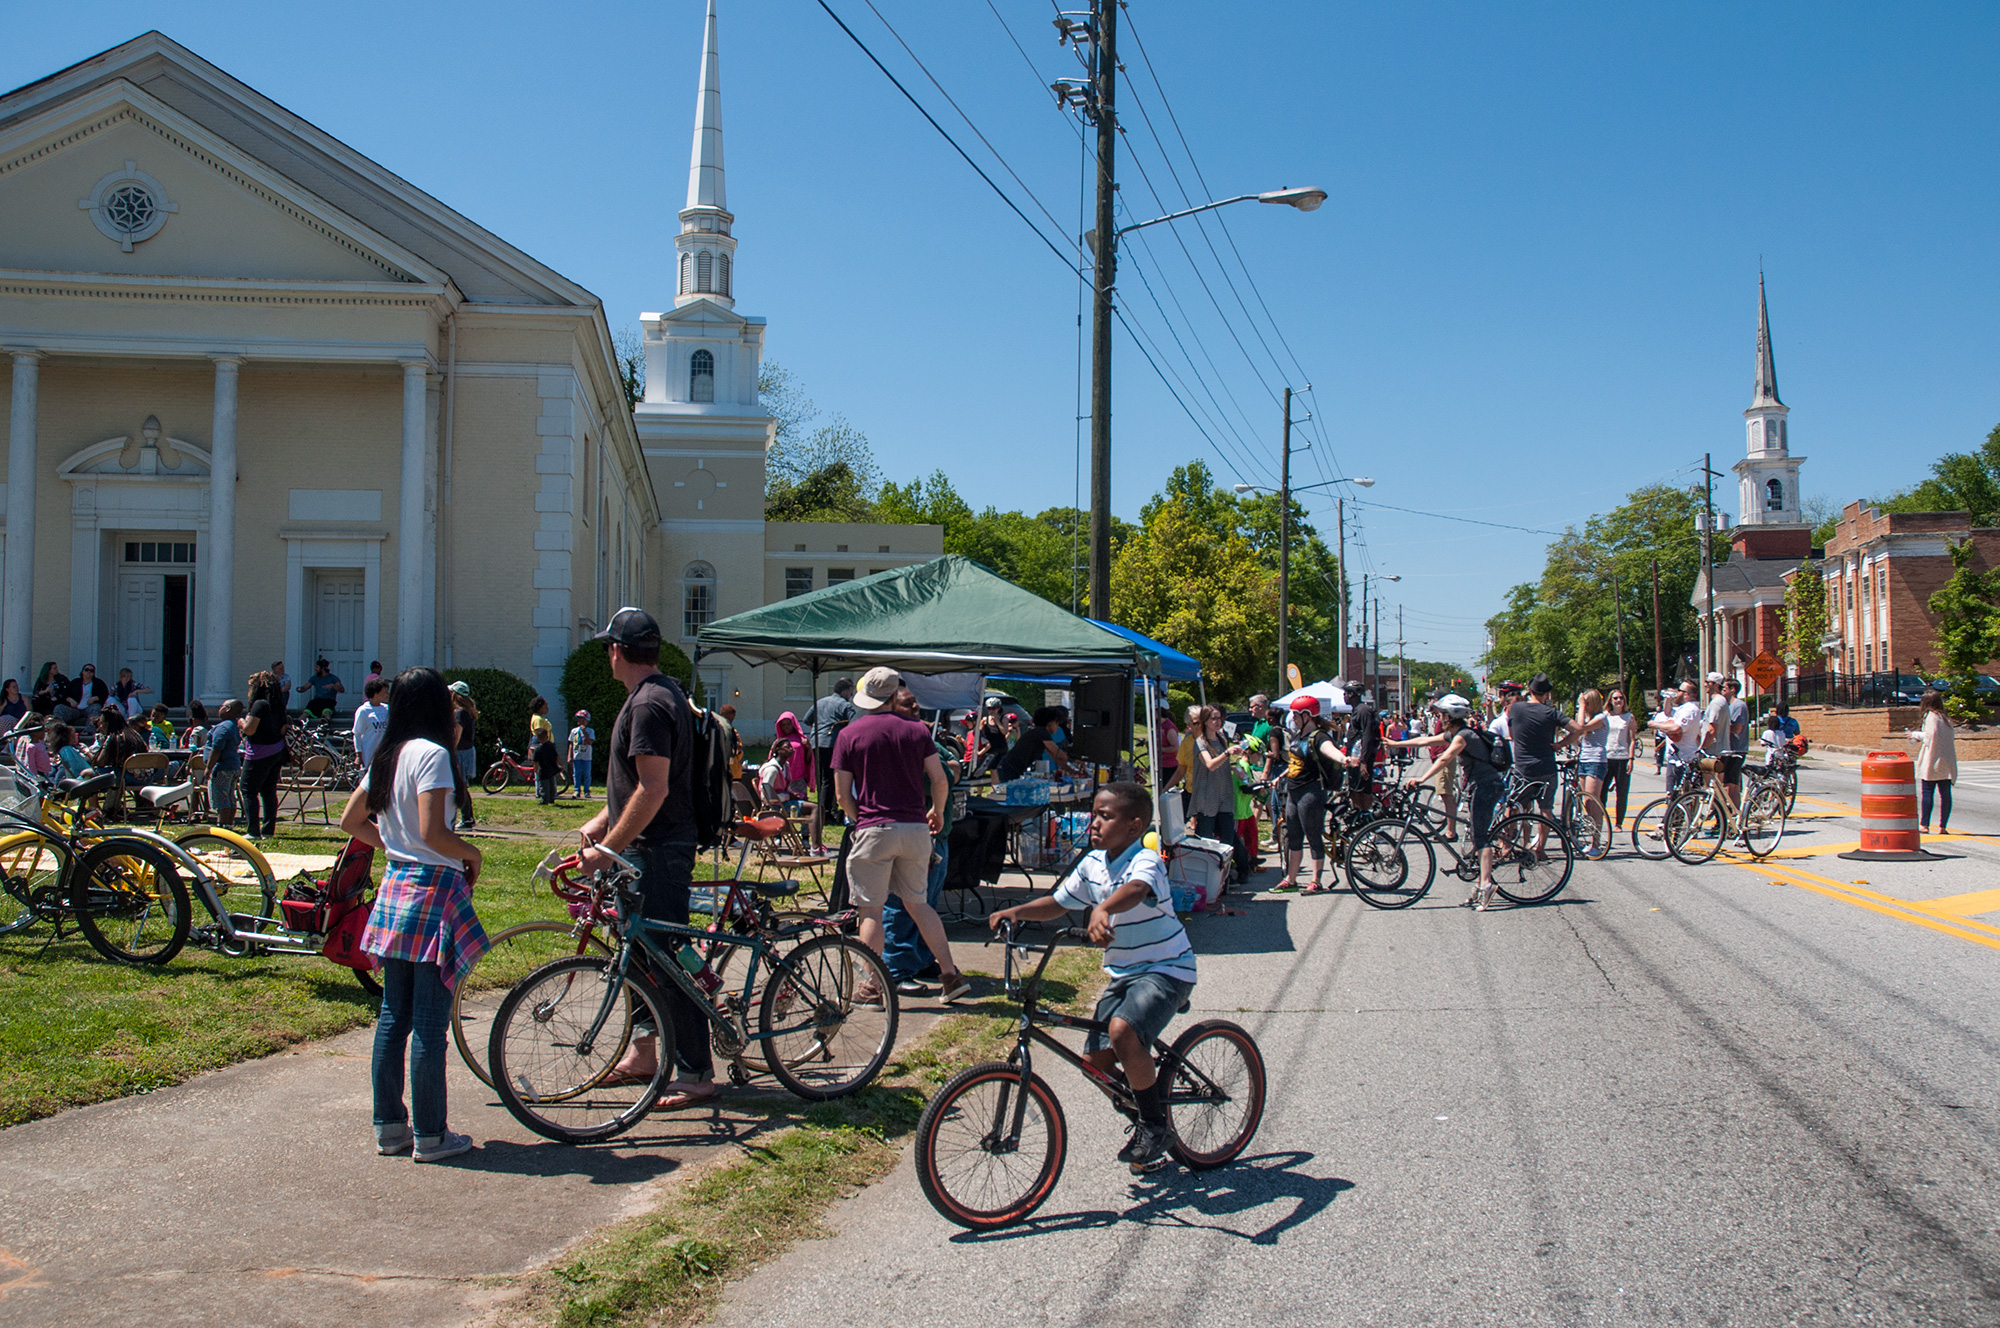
<point>1184,212</point>
<point>1304,199</point>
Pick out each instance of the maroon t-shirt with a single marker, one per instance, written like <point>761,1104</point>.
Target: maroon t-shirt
<point>886,753</point>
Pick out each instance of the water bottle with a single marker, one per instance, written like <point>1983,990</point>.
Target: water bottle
<point>697,968</point>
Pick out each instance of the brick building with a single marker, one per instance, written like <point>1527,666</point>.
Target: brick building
<point>1881,569</point>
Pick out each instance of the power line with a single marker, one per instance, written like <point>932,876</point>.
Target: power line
<point>1442,516</point>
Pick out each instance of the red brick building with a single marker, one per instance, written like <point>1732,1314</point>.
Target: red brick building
<point>1881,569</point>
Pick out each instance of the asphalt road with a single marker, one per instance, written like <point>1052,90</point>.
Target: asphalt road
<point>1717,1095</point>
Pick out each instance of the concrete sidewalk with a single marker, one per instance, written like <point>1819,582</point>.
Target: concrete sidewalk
<point>253,1195</point>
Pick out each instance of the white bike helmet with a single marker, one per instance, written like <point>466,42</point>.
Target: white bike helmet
<point>1453,706</point>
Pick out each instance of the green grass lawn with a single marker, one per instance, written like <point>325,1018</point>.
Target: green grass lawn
<point>79,1029</point>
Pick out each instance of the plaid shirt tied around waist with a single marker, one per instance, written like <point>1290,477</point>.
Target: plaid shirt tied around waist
<point>423,913</point>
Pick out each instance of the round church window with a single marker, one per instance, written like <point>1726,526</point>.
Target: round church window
<point>130,208</point>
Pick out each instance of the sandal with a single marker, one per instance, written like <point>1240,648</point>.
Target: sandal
<point>684,1097</point>
<point>621,1078</point>
<point>1317,889</point>
<point>1284,887</point>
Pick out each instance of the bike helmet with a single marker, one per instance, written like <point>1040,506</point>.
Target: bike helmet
<point>1453,706</point>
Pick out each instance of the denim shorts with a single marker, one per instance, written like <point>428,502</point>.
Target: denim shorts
<point>1592,769</point>
<point>1147,1001</point>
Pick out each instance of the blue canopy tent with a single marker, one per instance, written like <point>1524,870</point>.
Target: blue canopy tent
<point>1173,665</point>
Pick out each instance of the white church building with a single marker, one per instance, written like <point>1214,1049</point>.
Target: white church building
<point>269,401</point>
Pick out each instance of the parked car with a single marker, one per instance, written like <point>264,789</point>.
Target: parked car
<point>1985,685</point>
<point>1899,689</point>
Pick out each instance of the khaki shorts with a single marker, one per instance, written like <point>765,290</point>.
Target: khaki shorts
<point>1445,776</point>
<point>889,858</point>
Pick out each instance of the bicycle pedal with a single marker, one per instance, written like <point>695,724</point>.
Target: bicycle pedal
<point>1147,1168</point>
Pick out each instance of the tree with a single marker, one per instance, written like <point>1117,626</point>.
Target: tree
<point>823,473</point>
<point>1201,589</point>
<point>1034,552</point>
<point>1968,628</point>
<point>630,350</point>
<point>1805,620</point>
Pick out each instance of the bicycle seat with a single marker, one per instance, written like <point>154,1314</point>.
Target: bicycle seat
<point>761,829</point>
<point>87,787</point>
<point>165,795</point>
<point>775,889</point>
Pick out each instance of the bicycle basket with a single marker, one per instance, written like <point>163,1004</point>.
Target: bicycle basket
<point>22,798</point>
<point>1708,765</point>
<point>304,907</point>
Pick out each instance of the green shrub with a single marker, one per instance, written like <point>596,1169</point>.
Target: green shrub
<point>503,700</point>
<point>587,684</point>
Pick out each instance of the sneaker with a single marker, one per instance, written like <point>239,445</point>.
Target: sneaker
<point>393,1139</point>
<point>1146,1149</point>
<point>438,1147</point>
<point>912,987</point>
<point>955,988</point>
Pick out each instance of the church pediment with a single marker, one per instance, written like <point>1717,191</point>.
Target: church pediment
<point>149,454</point>
<point>116,181</point>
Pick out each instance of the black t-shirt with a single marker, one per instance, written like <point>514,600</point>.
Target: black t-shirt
<point>270,717</point>
<point>655,720</point>
<point>1027,749</point>
<point>468,728</point>
<point>1364,735</point>
<point>1533,729</point>
<point>99,693</point>
<point>1475,758</point>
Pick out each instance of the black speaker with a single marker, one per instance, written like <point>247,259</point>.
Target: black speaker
<point>1102,717</point>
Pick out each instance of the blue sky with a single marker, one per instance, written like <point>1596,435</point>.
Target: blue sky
<point>1533,287</point>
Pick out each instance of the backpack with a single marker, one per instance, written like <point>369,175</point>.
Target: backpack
<point>708,777</point>
<point>1499,751</point>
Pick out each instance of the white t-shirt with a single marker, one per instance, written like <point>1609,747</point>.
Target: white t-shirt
<point>1618,731</point>
<point>1499,728</point>
<point>421,766</point>
<point>370,718</point>
<point>1146,938</point>
<point>1688,715</point>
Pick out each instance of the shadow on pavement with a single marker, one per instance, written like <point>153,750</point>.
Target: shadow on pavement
<point>1200,1200</point>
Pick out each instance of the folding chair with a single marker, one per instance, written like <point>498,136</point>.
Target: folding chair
<point>141,769</point>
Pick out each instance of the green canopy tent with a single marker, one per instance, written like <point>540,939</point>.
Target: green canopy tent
<point>949,615</point>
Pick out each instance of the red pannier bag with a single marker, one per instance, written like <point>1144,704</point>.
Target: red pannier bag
<point>349,895</point>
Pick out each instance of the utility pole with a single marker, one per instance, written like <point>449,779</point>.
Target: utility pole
<point>1659,657</point>
<point>1709,643</point>
<point>1376,672</point>
<point>1340,511</point>
<point>1402,664</point>
<point>1285,550</point>
<point>1104,86</point>
<point>1618,628</point>
<point>1364,625</point>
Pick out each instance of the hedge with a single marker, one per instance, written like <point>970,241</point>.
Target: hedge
<point>587,684</point>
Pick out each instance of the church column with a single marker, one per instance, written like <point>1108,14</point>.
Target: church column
<point>220,593</point>
<point>411,647</point>
<point>17,613</point>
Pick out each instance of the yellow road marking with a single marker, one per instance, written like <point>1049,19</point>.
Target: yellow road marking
<point>1845,808</point>
<point>1964,906</point>
<point>1902,910</point>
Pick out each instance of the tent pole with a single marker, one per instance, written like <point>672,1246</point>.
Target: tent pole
<point>1153,751</point>
<point>1201,685</point>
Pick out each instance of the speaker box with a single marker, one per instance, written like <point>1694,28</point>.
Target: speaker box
<point>1102,718</point>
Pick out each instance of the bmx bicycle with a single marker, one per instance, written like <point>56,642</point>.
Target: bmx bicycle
<point>513,769</point>
<point>990,1145</point>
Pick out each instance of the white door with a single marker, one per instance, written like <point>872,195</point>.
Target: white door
<point>141,629</point>
<point>339,602</point>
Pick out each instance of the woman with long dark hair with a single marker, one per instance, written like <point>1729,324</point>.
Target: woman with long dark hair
<point>264,752</point>
<point>1937,760</point>
<point>422,927</point>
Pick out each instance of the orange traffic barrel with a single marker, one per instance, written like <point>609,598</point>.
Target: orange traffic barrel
<point>1889,810</point>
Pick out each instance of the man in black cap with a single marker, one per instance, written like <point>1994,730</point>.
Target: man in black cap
<point>1362,746</point>
<point>648,817</point>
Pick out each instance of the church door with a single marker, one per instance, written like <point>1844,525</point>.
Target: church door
<point>339,599</point>
<point>154,632</point>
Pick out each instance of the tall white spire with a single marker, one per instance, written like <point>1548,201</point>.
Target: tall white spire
<point>1764,392</point>
<point>704,267</point>
<point>705,164</point>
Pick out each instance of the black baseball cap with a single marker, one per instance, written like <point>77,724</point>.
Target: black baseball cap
<point>631,627</point>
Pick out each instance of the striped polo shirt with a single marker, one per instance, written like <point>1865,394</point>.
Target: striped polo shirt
<point>1146,938</point>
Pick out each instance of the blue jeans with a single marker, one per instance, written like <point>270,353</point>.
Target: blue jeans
<point>903,948</point>
<point>666,874</point>
<point>416,1010</point>
<point>579,777</point>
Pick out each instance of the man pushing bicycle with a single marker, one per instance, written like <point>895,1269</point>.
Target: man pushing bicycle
<point>1123,884</point>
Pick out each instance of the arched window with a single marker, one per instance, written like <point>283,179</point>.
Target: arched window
<point>701,377</point>
<point>722,274</point>
<point>1774,495</point>
<point>703,272</point>
<point>687,268</point>
<point>697,599</point>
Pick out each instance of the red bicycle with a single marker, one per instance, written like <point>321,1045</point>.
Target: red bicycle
<point>736,905</point>
<point>512,769</point>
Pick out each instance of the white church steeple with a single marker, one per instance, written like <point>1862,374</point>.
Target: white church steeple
<point>706,252</point>
<point>1768,475</point>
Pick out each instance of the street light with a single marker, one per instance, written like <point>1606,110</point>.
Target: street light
<point>1380,576</point>
<point>1285,492</point>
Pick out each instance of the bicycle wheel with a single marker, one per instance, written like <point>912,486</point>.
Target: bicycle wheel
<point>130,902</point>
<point>1389,864</point>
<point>240,874</point>
<point>553,1073</point>
<point>976,1168</point>
<point>514,954</point>
<point>1215,1097</point>
<point>1696,829</point>
<point>731,963</point>
<point>1764,820</point>
<point>1791,789</point>
<point>31,865</point>
<point>1590,833</point>
<point>495,778</point>
<point>1649,837</point>
<point>1532,858</point>
<point>562,781</point>
<point>820,1040</point>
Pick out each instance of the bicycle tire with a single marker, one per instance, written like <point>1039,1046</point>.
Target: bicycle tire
<point>562,782</point>
<point>1538,874</point>
<point>234,865</point>
<point>1764,820</point>
<point>730,996</point>
<point>842,1044</point>
<point>1208,1134</point>
<point>496,778</point>
<point>130,902</point>
<point>1696,830</point>
<point>1649,839</point>
<point>970,1177</point>
<point>1389,864</point>
<point>549,1078</point>
<point>29,862</point>
<point>1791,789</point>
<point>511,955</point>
